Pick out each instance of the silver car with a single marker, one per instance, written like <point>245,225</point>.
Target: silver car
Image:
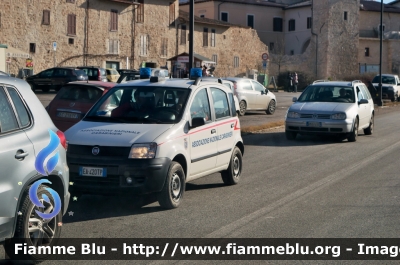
<point>337,108</point>
<point>34,176</point>
<point>252,95</point>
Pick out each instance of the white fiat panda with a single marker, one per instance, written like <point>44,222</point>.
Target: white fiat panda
<point>153,136</point>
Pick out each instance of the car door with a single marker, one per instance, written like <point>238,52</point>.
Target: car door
<point>203,147</point>
<point>225,125</point>
<point>368,107</point>
<point>248,93</point>
<point>263,98</point>
<point>363,109</point>
<point>17,158</point>
<point>44,79</point>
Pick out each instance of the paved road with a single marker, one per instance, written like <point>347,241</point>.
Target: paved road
<point>308,188</point>
<point>284,100</point>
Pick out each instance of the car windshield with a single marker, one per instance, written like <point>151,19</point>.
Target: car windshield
<point>325,93</point>
<point>76,93</point>
<point>385,80</point>
<point>140,105</point>
<point>112,72</point>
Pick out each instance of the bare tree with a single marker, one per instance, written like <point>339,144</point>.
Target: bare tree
<point>278,55</point>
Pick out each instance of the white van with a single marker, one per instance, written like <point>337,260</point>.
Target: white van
<point>153,136</point>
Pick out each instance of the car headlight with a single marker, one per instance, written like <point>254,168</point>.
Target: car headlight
<point>292,114</point>
<point>143,150</point>
<point>338,116</point>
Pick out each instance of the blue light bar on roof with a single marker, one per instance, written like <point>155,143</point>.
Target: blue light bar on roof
<point>195,73</point>
<point>145,72</point>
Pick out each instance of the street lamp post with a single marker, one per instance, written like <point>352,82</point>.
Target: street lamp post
<point>380,102</point>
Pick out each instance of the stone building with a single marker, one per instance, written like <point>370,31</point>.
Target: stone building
<point>236,50</point>
<point>106,33</point>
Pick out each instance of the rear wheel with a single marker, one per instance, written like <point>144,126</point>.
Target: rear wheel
<point>33,87</point>
<point>170,196</point>
<point>370,129</point>
<point>243,107</point>
<point>45,89</point>
<point>353,135</point>
<point>33,229</point>
<point>271,107</point>
<point>231,176</point>
<point>290,135</point>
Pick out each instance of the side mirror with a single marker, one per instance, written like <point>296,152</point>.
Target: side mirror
<point>294,99</point>
<point>197,121</point>
<point>363,101</point>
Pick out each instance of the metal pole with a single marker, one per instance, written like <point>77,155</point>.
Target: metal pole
<point>380,103</point>
<point>54,58</point>
<point>191,34</point>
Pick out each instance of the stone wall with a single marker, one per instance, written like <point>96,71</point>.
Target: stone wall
<point>21,24</point>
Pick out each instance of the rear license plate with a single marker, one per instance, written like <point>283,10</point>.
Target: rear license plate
<point>68,115</point>
<point>313,124</point>
<point>92,171</point>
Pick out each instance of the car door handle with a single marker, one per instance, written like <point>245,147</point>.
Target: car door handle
<point>213,131</point>
<point>20,155</point>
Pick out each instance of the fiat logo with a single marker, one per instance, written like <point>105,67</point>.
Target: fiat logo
<point>314,116</point>
<point>95,150</point>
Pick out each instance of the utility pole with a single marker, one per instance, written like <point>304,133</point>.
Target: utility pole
<point>380,102</point>
<point>191,34</point>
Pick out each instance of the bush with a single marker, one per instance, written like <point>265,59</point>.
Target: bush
<point>304,80</point>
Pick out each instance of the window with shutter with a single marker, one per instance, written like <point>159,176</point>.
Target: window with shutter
<point>71,24</point>
<point>183,34</point>
<point>171,13</point>
<point>277,24</point>
<point>143,45</point>
<point>46,17</point>
<point>113,46</point>
<point>140,12</point>
<point>205,37</point>
<point>114,20</point>
<point>236,61</point>
<point>164,47</point>
<point>213,38</point>
<point>292,25</point>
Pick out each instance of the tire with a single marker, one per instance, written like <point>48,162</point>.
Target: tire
<point>45,233</point>
<point>353,135</point>
<point>290,135</point>
<point>231,176</point>
<point>171,195</point>
<point>45,89</point>
<point>370,129</point>
<point>33,87</point>
<point>243,106</point>
<point>271,107</point>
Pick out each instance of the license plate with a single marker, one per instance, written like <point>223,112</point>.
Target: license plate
<point>92,171</point>
<point>68,115</point>
<point>313,124</point>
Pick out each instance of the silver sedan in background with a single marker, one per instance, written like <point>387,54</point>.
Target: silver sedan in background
<point>335,108</point>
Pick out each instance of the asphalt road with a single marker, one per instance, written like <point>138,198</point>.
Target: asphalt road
<point>308,188</point>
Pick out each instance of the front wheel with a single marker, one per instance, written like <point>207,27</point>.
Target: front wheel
<point>171,195</point>
<point>370,129</point>
<point>271,107</point>
<point>33,229</point>
<point>231,176</point>
<point>353,135</point>
<point>243,107</point>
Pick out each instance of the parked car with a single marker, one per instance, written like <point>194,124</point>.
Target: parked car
<point>157,136</point>
<point>252,95</point>
<point>228,84</point>
<point>112,75</point>
<point>4,73</point>
<point>128,76</point>
<point>120,71</point>
<point>25,130</point>
<point>95,73</point>
<point>390,86</point>
<point>331,108</point>
<point>55,78</point>
<point>73,101</point>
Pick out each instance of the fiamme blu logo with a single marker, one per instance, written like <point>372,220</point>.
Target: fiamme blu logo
<point>45,169</point>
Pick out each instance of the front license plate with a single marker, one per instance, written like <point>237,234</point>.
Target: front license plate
<point>93,171</point>
<point>68,115</point>
<point>313,124</point>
